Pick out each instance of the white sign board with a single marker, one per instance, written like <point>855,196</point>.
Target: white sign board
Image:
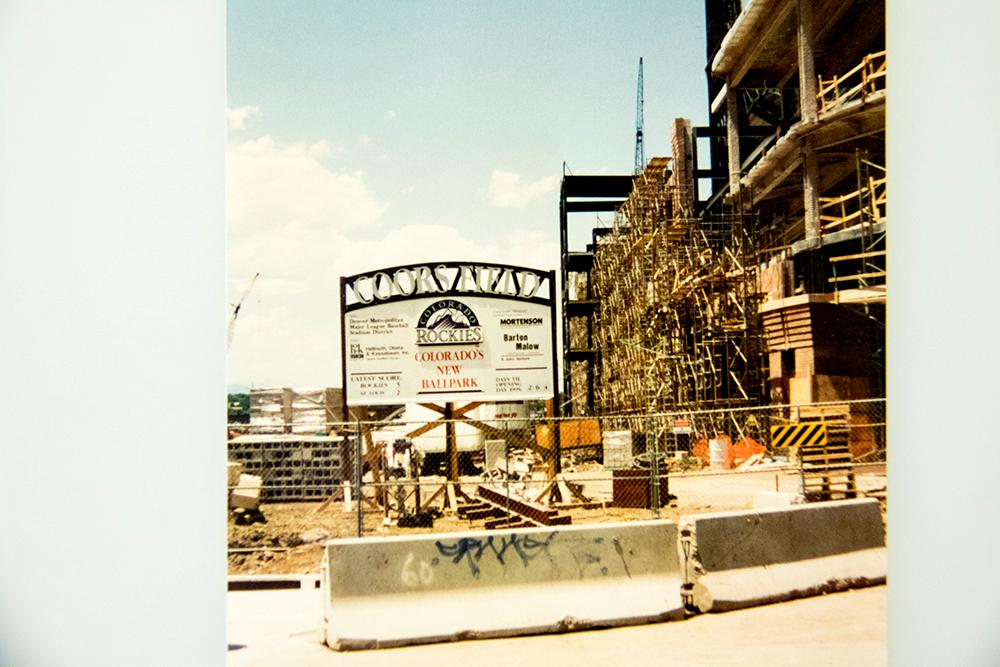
<point>448,332</point>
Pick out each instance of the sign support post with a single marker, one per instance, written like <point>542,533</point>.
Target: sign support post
<point>451,444</point>
<point>447,333</point>
<point>345,415</point>
<point>556,411</point>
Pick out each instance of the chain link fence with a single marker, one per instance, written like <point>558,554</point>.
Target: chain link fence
<point>458,474</point>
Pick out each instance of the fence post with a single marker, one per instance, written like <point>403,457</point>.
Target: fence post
<point>506,479</point>
<point>654,466</point>
<point>358,474</point>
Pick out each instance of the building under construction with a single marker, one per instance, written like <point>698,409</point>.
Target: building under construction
<point>760,278</point>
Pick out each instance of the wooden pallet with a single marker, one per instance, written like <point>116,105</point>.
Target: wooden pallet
<point>828,469</point>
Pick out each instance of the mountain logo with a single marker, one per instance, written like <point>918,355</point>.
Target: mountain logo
<point>448,322</point>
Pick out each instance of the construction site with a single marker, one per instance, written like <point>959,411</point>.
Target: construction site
<point>721,356</point>
<point>768,285</point>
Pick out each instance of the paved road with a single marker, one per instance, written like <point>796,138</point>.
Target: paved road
<point>282,628</point>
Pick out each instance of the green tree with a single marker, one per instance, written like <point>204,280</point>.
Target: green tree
<point>238,408</point>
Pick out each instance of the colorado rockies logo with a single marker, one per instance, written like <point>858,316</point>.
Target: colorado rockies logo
<point>448,322</point>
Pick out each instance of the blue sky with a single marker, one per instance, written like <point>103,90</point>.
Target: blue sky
<point>369,134</point>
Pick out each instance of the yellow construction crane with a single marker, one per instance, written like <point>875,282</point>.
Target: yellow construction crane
<point>236,310</point>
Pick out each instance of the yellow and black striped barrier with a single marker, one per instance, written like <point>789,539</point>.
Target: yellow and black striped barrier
<point>805,434</point>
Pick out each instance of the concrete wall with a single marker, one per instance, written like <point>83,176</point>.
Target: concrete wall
<point>413,589</point>
<point>739,559</point>
<point>383,592</point>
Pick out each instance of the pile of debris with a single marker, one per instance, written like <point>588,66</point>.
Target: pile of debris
<point>244,495</point>
<point>515,472</point>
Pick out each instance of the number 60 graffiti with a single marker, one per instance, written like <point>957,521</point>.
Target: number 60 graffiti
<point>412,577</point>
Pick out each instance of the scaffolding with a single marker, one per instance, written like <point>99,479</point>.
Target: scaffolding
<point>865,208</point>
<point>864,270</point>
<point>676,321</point>
<point>862,82</point>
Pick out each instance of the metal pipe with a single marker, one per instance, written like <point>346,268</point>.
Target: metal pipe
<point>358,474</point>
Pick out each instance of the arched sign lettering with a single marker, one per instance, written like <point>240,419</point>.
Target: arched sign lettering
<point>448,331</point>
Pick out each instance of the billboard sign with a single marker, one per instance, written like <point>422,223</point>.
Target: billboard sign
<point>448,331</point>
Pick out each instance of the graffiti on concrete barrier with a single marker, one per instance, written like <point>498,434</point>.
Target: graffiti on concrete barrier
<point>473,549</point>
<point>621,554</point>
<point>416,573</point>
<point>591,556</point>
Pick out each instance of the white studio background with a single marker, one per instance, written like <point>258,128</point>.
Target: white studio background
<point>944,175</point>
<point>112,357</point>
<point>112,136</point>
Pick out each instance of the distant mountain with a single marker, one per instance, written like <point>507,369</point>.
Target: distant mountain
<point>446,321</point>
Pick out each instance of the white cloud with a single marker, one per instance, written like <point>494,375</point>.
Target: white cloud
<point>274,186</point>
<point>390,114</point>
<point>276,344</point>
<point>533,249</point>
<point>287,215</point>
<point>506,189</point>
<point>238,117</point>
<point>322,149</point>
<point>302,224</point>
<point>288,333</point>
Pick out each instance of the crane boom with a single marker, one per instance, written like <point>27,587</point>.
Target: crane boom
<point>640,153</point>
<point>236,310</point>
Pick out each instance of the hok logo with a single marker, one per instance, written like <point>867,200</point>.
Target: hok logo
<point>357,352</point>
<point>448,322</point>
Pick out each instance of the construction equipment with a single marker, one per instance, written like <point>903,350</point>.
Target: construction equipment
<point>236,310</point>
<point>640,153</point>
<point>402,462</point>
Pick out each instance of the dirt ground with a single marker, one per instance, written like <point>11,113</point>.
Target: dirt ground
<point>291,540</point>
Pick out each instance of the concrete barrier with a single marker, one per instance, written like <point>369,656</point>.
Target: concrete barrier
<point>271,582</point>
<point>746,558</point>
<point>392,591</point>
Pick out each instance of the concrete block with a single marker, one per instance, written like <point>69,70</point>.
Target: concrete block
<point>774,367</point>
<point>247,492</point>
<point>831,388</point>
<point>860,388</point>
<point>393,591</point>
<point>846,358</point>
<point>805,361</point>
<point>233,472</point>
<point>747,558</point>
<point>800,390</point>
